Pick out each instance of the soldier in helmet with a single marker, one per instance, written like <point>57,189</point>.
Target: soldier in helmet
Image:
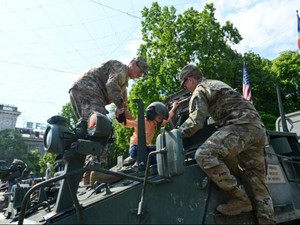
<point>157,115</point>
<point>241,133</point>
<point>105,85</point>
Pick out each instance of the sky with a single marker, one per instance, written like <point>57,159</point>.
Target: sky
<point>45,45</point>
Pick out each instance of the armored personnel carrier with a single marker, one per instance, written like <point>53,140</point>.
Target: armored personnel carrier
<point>174,191</point>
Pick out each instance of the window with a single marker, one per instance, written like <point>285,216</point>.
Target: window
<point>29,125</point>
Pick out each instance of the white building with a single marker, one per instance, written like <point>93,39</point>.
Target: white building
<point>32,132</point>
<point>8,116</point>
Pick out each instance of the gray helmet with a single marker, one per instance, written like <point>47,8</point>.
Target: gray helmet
<point>157,108</point>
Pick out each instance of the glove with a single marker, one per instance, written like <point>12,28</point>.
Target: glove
<point>121,118</point>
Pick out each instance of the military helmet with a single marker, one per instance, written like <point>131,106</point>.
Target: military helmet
<point>157,108</point>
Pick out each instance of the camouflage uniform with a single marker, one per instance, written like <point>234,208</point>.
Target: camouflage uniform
<point>100,87</point>
<point>241,134</point>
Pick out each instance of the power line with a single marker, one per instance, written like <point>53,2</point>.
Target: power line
<point>54,52</point>
<point>271,38</point>
<point>82,23</point>
<point>118,10</point>
<point>62,33</point>
<point>36,67</point>
<point>87,31</point>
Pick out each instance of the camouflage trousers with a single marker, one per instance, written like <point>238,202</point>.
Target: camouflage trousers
<point>245,144</point>
<point>84,103</point>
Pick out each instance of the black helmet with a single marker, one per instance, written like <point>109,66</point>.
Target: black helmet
<point>157,108</point>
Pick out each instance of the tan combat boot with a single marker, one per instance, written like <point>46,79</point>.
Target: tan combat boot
<point>86,178</point>
<point>103,178</point>
<point>239,203</point>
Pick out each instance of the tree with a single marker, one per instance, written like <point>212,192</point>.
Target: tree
<point>171,41</point>
<point>263,87</point>
<point>269,120</point>
<point>33,162</point>
<point>265,75</point>
<point>48,158</point>
<point>12,146</point>
<point>286,68</point>
<point>68,113</point>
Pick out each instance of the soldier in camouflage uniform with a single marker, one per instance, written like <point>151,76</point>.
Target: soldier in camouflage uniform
<point>105,85</point>
<point>241,133</point>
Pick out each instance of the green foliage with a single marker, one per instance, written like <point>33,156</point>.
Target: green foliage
<point>68,113</point>
<point>122,135</point>
<point>262,82</point>
<point>121,140</point>
<point>12,146</point>
<point>172,40</point>
<point>286,68</point>
<point>269,120</point>
<point>113,152</point>
<point>33,162</point>
<point>48,158</point>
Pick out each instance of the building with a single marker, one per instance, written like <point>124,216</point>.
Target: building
<point>32,132</point>
<point>8,116</point>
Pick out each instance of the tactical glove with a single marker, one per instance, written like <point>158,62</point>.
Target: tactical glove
<point>121,118</point>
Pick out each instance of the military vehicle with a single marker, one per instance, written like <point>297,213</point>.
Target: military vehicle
<point>174,191</point>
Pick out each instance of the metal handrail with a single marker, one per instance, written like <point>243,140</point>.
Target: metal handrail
<point>66,175</point>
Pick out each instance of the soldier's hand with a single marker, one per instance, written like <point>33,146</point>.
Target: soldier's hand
<point>119,111</point>
<point>121,118</point>
<point>175,104</point>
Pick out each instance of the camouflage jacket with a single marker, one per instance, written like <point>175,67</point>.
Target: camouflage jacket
<point>111,79</point>
<point>215,99</point>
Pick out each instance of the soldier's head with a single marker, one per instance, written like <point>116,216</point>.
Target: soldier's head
<point>189,77</point>
<point>138,67</point>
<point>157,111</point>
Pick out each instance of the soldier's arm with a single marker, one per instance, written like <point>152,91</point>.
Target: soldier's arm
<point>171,112</point>
<point>125,102</point>
<point>131,123</point>
<point>115,86</point>
<point>197,116</point>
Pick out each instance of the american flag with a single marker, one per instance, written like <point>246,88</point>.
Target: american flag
<point>246,85</point>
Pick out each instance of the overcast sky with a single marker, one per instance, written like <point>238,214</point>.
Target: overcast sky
<point>46,44</point>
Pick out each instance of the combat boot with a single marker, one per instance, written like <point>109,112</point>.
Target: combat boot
<point>239,203</point>
<point>103,178</point>
<point>86,178</point>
